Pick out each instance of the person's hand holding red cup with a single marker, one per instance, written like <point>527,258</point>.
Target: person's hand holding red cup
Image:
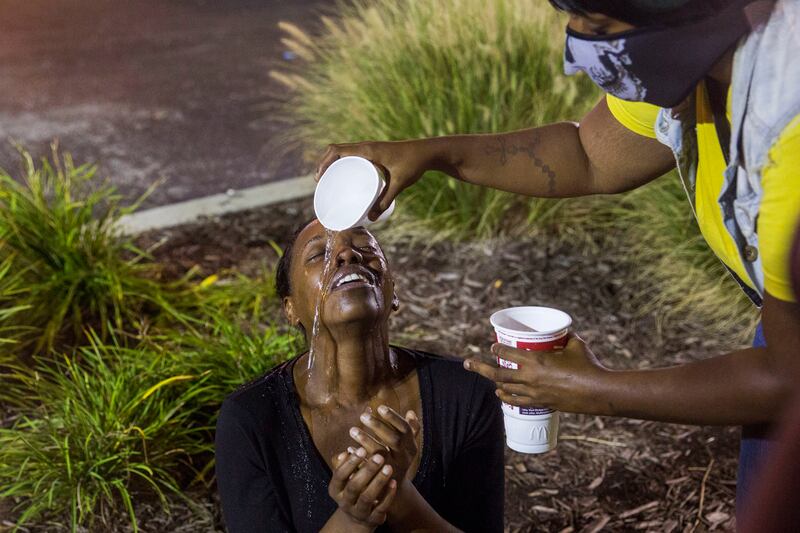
<point>530,429</point>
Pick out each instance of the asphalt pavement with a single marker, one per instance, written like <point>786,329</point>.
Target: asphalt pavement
<point>178,89</point>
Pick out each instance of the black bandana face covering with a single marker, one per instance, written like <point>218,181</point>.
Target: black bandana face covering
<point>659,65</point>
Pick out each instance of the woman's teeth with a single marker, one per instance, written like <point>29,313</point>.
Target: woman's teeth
<point>352,277</point>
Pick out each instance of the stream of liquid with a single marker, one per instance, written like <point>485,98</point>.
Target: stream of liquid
<point>323,286</point>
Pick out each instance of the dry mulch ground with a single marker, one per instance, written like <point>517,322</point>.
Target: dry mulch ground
<point>607,474</point>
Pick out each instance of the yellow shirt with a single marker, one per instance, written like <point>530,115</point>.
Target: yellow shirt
<point>779,212</point>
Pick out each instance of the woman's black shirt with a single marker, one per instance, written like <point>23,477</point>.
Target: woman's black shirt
<point>272,478</point>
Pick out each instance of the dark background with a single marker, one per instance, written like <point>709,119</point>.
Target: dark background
<point>148,89</point>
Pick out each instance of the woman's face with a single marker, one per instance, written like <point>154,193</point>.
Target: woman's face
<point>358,286</point>
<point>596,24</point>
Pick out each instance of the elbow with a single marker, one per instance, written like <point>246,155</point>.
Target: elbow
<point>600,184</point>
<point>780,382</point>
<point>786,390</point>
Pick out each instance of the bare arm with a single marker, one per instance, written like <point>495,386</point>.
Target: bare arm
<point>597,156</point>
<point>743,387</point>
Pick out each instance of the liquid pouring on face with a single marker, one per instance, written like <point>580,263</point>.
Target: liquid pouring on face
<point>329,237</point>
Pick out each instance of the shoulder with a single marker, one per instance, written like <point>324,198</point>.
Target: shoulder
<point>462,405</point>
<point>257,400</point>
<point>448,376</point>
<point>438,365</point>
<point>639,117</point>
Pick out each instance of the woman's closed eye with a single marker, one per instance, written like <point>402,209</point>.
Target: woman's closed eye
<point>315,255</point>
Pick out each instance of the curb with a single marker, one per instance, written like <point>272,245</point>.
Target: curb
<point>232,201</point>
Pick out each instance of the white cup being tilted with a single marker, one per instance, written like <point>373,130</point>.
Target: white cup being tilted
<point>346,192</point>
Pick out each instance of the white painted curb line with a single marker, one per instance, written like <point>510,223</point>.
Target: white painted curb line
<point>230,202</point>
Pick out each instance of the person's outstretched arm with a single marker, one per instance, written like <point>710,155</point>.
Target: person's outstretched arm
<point>747,386</point>
<point>597,156</point>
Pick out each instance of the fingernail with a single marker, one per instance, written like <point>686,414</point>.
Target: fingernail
<point>412,414</point>
<point>361,452</point>
<point>365,418</point>
<point>354,432</point>
<point>341,456</point>
<point>387,470</point>
<point>383,410</point>
<point>377,459</point>
<point>368,410</point>
<point>352,450</point>
<point>466,364</point>
<point>393,483</point>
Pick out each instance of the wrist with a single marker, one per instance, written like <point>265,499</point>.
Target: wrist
<point>438,154</point>
<point>341,521</point>
<point>411,512</point>
<point>404,501</point>
<point>599,397</point>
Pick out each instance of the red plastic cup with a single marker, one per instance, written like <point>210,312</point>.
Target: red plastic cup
<point>530,429</point>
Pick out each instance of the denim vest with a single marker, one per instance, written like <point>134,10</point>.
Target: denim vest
<point>765,98</point>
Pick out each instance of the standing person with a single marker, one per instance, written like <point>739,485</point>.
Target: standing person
<point>712,85</point>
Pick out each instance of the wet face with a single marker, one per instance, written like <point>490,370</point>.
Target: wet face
<point>358,286</point>
<point>595,24</point>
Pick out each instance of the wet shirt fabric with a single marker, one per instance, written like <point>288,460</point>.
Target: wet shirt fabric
<point>780,205</point>
<point>272,478</point>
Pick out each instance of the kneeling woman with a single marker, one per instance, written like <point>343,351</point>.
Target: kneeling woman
<point>319,443</point>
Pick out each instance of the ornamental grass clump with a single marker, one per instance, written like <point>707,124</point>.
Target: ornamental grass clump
<point>63,261</point>
<point>231,353</point>
<point>232,295</point>
<point>10,287</point>
<point>105,426</point>
<point>389,70</point>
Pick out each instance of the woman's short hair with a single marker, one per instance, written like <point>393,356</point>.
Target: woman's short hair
<point>283,278</point>
<point>644,12</point>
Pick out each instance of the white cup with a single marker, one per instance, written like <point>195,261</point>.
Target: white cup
<point>346,192</point>
<point>530,429</point>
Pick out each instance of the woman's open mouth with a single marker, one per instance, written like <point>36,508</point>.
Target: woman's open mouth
<point>353,280</point>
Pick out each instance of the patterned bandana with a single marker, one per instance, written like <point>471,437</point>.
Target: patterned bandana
<point>658,65</point>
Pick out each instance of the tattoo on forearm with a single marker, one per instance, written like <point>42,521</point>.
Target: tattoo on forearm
<point>506,151</point>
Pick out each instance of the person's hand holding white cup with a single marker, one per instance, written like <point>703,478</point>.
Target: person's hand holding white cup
<point>530,429</point>
<point>346,192</point>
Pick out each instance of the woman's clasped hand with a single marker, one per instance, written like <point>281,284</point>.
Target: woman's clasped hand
<point>363,487</point>
<point>365,479</point>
